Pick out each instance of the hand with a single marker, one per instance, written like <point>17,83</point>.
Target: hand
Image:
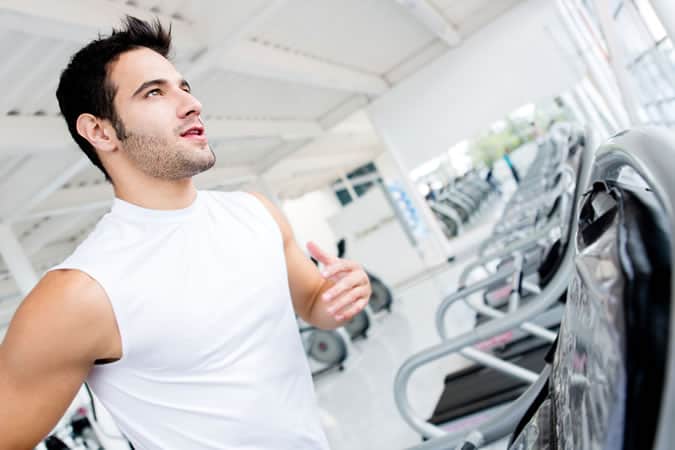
<point>351,290</point>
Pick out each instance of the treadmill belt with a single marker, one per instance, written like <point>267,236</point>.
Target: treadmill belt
<point>478,387</point>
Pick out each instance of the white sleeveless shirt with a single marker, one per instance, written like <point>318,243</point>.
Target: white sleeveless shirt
<point>212,357</point>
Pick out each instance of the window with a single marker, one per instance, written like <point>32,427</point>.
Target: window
<point>651,59</point>
<point>362,179</point>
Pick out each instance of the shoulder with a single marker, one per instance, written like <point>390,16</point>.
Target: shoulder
<point>276,213</point>
<point>256,204</point>
<point>75,288</point>
<point>68,310</point>
<point>74,294</point>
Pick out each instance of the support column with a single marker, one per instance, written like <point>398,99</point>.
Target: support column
<point>593,64</point>
<point>575,108</point>
<point>585,103</point>
<point>665,9</point>
<point>438,240</point>
<point>17,262</point>
<point>618,61</point>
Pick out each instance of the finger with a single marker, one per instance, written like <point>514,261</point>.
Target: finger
<point>355,308</point>
<point>340,303</point>
<point>347,282</point>
<point>319,254</point>
<point>341,265</point>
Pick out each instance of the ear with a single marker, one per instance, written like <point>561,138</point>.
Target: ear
<point>98,132</point>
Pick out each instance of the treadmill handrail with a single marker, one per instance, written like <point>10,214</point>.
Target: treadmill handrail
<point>547,197</point>
<point>500,425</point>
<point>549,225</point>
<point>465,292</point>
<point>537,305</point>
<point>507,251</point>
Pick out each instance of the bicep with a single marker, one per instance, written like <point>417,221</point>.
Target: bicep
<point>44,360</point>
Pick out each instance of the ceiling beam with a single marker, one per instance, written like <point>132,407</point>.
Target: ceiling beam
<point>262,60</point>
<point>220,176</point>
<point>35,180</point>
<point>71,200</point>
<point>78,21</point>
<point>221,41</point>
<point>48,134</point>
<point>22,87</point>
<point>48,256</point>
<point>34,134</point>
<point>284,150</point>
<point>322,162</point>
<point>53,184</point>
<point>77,200</point>
<point>433,20</point>
<point>235,51</point>
<point>285,129</point>
<point>56,227</point>
<point>18,52</point>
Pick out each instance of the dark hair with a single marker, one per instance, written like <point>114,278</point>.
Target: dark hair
<point>85,86</point>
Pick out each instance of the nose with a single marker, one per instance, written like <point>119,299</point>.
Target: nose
<point>189,105</point>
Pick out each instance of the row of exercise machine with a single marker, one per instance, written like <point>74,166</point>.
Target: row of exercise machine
<point>573,347</point>
<point>458,203</point>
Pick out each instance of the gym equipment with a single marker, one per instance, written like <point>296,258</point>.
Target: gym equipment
<point>606,385</point>
<point>326,349</point>
<point>476,388</point>
<point>380,298</point>
<point>358,326</point>
<point>76,434</point>
<point>523,317</point>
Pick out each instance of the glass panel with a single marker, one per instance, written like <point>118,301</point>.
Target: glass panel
<point>651,20</point>
<point>635,43</point>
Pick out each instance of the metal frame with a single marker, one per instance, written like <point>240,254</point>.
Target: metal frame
<point>541,303</point>
<point>497,427</point>
<point>536,306</point>
<point>642,150</point>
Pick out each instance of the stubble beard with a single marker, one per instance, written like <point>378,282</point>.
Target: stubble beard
<point>166,160</point>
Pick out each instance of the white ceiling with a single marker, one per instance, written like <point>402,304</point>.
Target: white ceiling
<point>277,79</point>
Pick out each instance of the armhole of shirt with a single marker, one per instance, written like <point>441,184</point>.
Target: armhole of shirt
<point>262,211</point>
<point>116,314</point>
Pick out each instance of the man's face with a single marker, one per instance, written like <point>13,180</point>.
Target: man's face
<point>164,136</point>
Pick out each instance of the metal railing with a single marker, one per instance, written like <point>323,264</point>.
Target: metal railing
<point>514,319</point>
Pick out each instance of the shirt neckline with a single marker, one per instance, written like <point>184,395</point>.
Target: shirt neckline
<point>129,210</point>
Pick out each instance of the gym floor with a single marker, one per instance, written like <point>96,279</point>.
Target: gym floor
<point>357,406</point>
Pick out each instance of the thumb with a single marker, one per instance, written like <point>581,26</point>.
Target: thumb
<point>319,254</point>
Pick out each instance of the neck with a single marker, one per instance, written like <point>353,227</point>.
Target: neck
<point>158,194</point>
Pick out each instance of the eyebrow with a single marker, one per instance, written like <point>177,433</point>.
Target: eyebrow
<point>160,82</point>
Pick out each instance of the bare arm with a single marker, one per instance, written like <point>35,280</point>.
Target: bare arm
<point>345,282</point>
<point>57,333</point>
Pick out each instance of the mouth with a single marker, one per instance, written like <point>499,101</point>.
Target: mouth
<point>196,132</point>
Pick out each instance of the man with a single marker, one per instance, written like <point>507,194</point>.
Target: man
<point>179,308</point>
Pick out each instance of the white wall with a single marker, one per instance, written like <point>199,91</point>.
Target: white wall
<point>512,61</point>
<point>307,216</point>
<point>376,239</point>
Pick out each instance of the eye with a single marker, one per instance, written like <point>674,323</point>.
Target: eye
<point>152,92</point>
